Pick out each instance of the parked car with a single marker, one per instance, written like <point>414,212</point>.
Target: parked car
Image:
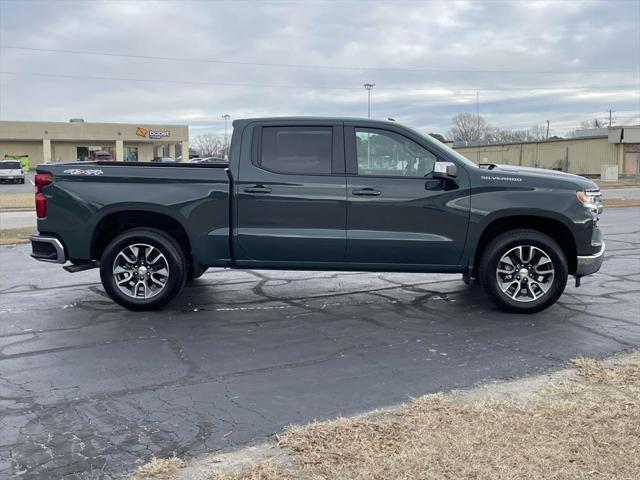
<point>218,160</point>
<point>321,194</point>
<point>164,160</point>
<point>101,155</point>
<point>11,171</point>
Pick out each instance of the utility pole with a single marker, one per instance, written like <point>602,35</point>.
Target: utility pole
<point>478,113</point>
<point>369,87</point>
<point>226,118</point>
<point>547,135</point>
<point>611,112</point>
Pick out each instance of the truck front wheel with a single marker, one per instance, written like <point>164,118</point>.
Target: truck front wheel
<point>523,271</point>
<point>143,269</point>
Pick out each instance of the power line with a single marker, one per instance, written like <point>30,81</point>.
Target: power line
<point>436,90</point>
<point>178,82</point>
<point>310,66</point>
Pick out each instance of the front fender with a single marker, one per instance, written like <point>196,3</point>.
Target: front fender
<point>524,207</point>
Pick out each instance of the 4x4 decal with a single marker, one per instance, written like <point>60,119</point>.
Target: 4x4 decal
<point>83,171</point>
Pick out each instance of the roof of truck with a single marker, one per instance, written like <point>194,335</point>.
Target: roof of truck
<point>315,119</point>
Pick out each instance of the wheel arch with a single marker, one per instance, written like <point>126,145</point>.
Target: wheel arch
<point>116,222</point>
<point>554,228</point>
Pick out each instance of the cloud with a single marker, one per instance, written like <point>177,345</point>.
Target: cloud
<point>427,59</point>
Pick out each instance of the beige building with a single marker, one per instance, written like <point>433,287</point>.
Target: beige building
<point>582,155</point>
<point>78,140</point>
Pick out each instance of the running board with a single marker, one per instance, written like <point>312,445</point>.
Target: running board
<point>82,267</point>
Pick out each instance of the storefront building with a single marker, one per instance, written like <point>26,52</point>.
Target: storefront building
<point>75,140</point>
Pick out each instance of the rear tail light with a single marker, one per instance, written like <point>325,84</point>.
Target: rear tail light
<point>42,180</point>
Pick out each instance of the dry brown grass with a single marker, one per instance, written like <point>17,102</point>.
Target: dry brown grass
<point>586,427</point>
<point>619,202</point>
<point>159,468</point>
<point>13,201</point>
<point>16,235</point>
<point>265,470</point>
<point>621,182</point>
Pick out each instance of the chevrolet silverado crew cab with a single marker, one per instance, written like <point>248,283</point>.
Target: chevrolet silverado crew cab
<point>320,194</point>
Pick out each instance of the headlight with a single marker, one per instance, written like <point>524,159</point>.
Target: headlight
<point>591,199</point>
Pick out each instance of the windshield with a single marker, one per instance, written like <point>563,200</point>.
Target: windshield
<point>10,165</point>
<point>439,144</point>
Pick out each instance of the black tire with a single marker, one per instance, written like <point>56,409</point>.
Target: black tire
<point>173,257</point>
<point>499,247</point>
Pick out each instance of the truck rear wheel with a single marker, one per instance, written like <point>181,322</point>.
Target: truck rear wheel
<point>523,271</point>
<point>143,269</point>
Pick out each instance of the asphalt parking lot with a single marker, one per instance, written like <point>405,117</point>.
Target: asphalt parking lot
<point>26,187</point>
<point>89,390</point>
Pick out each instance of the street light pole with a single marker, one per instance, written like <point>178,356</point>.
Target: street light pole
<point>369,87</point>
<point>226,118</point>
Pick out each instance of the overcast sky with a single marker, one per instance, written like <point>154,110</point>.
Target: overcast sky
<point>529,61</point>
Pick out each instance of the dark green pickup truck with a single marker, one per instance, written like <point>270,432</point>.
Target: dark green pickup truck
<point>320,194</point>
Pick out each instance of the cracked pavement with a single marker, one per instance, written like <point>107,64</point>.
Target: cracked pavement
<point>89,390</point>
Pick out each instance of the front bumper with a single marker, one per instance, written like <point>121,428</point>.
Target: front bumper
<point>589,264</point>
<point>47,249</point>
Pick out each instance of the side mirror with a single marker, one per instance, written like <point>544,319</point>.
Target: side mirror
<point>445,170</point>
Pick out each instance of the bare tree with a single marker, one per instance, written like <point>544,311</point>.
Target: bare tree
<point>532,134</point>
<point>586,125</point>
<point>595,123</point>
<point>537,132</point>
<point>209,145</point>
<point>498,135</point>
<point>468,127</point>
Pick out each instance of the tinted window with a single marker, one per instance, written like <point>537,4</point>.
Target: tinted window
<point>301,150</point>
<point>385,153</point>
<point>11,165</point>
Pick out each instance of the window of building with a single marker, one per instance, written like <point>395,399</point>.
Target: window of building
<point>130,154</point>
<point>384,153</point>
<point>95,152</point>
<point>82,154</point>
<point>297,150</point>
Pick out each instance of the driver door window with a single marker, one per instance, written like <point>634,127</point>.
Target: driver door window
<point>388,154</point>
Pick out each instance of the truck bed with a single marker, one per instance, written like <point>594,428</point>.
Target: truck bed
<point>87,198</point>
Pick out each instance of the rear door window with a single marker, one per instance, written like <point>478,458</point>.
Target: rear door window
<point>297,150</point>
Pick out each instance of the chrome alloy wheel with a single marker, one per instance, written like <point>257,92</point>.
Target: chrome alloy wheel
<point>140,271</point>
<point>525,273</point>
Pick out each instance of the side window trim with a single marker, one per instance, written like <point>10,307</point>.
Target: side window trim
<point>337,151</point>
<point>337,148</point>
<point>351,156</point>
<point>256,146</point>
